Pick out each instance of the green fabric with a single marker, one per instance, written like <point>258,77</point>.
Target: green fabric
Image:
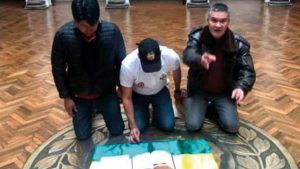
<point>174,147</point>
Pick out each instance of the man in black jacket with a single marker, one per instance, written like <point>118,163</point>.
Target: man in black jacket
<point>221,71</point>
<point>86,59</point>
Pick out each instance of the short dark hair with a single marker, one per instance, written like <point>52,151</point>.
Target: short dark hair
<point>218,7</point>
<point>87,10</point>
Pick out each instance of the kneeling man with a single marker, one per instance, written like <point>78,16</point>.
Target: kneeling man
<point>144,81</point>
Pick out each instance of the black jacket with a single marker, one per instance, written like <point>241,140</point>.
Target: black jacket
<point>239,70</point>
<point>69,73</point>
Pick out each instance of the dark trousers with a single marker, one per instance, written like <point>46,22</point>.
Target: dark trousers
<point>108,106</point>
<point>163,113</point>
<point>196,108</point>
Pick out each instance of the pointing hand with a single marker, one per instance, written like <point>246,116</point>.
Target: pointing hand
<point>206,59</point>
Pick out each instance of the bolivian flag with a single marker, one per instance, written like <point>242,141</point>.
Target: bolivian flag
<point>172,154</point>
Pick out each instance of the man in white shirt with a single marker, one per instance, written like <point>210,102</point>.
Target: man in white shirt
<point>144,81</point>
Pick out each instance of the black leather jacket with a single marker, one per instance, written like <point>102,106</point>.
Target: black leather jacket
<point>239,70</point>
<point>69,74</point>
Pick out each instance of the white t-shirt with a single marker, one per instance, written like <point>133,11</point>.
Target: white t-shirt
<point>132,74</point>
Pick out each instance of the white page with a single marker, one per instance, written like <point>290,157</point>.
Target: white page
<point>162,158</point>
<point>142,161</point>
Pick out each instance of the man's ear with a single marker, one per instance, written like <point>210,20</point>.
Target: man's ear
<point>207,19</point>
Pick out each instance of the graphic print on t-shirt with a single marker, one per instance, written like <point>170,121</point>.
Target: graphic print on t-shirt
<point>140,85</point>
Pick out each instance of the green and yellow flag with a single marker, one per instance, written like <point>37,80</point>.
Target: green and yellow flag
<point>174,154</point>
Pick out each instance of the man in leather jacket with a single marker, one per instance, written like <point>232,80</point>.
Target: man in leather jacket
<point>221,71</point>
<point>86,59</point>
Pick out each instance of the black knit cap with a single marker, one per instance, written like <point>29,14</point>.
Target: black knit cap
<point>149,54</point>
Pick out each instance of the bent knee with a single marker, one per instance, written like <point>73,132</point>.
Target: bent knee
<point>81,136</point>
<point>193,126</point>
<point>82,133</point>
<point>167,126</point>
<point>232,128</point>
<point>117,130</point>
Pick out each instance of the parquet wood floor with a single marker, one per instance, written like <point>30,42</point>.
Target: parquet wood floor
<point>30,111</point>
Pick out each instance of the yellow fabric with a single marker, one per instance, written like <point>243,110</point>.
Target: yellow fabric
<point>198,161</point>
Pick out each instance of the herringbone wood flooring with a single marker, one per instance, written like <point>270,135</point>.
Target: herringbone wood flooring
<point>30,111</point>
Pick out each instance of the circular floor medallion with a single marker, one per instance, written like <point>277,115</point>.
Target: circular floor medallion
<point>251,148</point>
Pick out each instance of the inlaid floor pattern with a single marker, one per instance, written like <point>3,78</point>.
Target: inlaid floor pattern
<point>31,112</point>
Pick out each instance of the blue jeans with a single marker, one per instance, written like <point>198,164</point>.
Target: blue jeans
<point>196,108</point>
<point>108,106</point>
<point>163,113</point>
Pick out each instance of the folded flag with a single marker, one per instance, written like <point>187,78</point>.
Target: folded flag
<point>174,154</point>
